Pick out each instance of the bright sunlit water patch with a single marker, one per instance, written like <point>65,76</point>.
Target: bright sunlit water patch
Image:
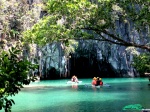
<point>57,96</point>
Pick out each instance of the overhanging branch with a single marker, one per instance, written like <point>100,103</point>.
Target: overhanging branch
<point>119,40</point>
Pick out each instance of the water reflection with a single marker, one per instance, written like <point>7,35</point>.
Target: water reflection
<point>75,86</point>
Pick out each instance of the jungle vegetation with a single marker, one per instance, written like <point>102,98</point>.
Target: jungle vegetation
<point>95,19</point>
<point>142,63</point>
<point>64,20</point>
<point>14,65</point>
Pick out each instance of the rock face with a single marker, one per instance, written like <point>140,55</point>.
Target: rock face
<point>90,59</point>
<point>53,61</point>
<point>94,58</point>
<point>102,59</point>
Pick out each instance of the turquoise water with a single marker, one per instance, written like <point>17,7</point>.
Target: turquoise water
<point>57,96</point>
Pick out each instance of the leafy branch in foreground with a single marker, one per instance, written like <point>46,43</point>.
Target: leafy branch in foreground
<point>14,73</point>
<point>115,21</point>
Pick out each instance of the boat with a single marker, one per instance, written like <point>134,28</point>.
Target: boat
<point>70,82</point>
<point>37,79</point>
<point>105,85</point>
<point>99,86</point>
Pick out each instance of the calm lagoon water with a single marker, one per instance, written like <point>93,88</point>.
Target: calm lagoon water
<point>57,96</point>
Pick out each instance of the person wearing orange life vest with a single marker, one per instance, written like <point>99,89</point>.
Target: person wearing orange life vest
<point>99,82</point>
<point>94,81</point>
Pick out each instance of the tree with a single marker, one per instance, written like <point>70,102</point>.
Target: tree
<point>14,73</point>
<point>142,63</point>
<point>95,19</point>
<point>14,67</point>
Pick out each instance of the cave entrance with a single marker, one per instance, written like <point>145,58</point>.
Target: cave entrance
<point>86,68</point>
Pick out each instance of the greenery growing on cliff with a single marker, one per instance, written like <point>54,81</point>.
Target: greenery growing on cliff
<point>97,20</point>
<point>65,20</point>
<point>15,17</point>
<point>142,63</point>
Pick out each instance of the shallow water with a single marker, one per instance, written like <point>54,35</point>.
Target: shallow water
<point>57,96</point>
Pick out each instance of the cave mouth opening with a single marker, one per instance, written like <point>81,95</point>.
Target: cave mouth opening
<point>84,67</point>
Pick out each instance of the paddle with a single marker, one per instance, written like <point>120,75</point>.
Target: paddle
<point>105,85</point>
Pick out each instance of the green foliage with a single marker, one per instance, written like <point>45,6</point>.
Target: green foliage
<point>70,46</point>
<point>14,73</point>
<point>61,23</point>
<point>82,19</point>
<point>15,17</point>
<point>142,63</point>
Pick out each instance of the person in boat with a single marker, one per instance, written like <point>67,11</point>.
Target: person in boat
<point>74,79</point>
<point>94,81</point>
<point>99,82</point>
